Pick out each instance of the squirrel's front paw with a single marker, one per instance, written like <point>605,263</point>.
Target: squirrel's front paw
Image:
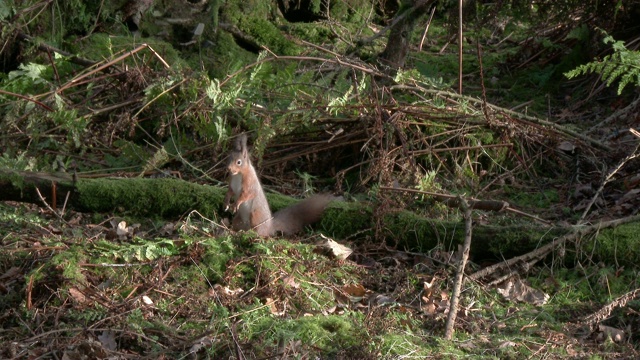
<point>234,208</point>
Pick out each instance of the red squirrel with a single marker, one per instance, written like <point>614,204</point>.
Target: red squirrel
<point>250,204</point>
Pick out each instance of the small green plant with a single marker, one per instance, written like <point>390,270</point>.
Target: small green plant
<point>140,250</point>
<point>307,181</point>
<point>428,182</point>
<point>623,66</point>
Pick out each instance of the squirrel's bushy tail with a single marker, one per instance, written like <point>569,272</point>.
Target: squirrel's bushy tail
<point>294,218</point>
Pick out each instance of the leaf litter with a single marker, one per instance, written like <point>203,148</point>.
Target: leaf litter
<point>154,291</point>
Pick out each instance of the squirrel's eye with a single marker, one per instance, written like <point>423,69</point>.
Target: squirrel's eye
<point>239,162</point>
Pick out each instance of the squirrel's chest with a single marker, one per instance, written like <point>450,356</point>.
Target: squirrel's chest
<point>236,184</point>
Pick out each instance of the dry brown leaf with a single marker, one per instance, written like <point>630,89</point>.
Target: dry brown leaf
<point>337,250</point>
<point>517,290</point>
<point>147,300</point>
<point>224,290</point>
<point>291,281</point>
<point>612,333</point>
<point>89,349</point>
<point>354,290</point>
<point>271,303</point>
<point>429,308</point>
<point>108,340</point>
<point>379,300</point>
<point>341,298</point>
<point>428,289</point>
<point>77,295</point>
<point>507,343</point>
<point>122,229</point>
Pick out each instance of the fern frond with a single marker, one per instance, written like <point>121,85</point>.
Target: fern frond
<point>623,66</point>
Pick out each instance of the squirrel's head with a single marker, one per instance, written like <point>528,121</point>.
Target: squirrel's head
<point>239,158</point>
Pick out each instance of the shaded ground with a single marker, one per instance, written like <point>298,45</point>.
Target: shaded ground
<point>78,288</point>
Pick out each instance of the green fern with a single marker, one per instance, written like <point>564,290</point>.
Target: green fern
<point>623,66</point>
<point>140,250</point>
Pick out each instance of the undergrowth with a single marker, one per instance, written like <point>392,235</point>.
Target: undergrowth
<point>212,296</point>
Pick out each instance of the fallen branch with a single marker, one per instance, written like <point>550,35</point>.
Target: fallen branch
<point>538,254</point>
<point>634,154</point>
<point>457,285</point>
<point>592,319</point>
<point>532,119</point>
<point>475,204</point>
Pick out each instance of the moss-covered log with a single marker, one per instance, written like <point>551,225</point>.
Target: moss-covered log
<point>167,198</point>
<point>172,198</point>
<point>410,231</point>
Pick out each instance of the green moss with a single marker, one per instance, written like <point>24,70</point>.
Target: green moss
<point>328,334</point>
<point>141,197</point>
<point>342,219</point>
<point>313,32</point>
<point>267,34</point>
<point>100,46</point>
<point>538,199</point>
<point>617,245</point>
<point>396,345</point>
<point>68,261</point>
<point>222,59</point>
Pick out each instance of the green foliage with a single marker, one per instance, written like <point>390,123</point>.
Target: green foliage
<point>617,245</point>
<point>20,161</point>
<point>428,182</point>
<point>69,262</point>
<point>6,10</point>
<point>218,252</point>
<point>539,199</point>
<point>623,66</point>
<point>74,125</point>
<point>89,315</point>
<point>267,34</point>
<point>30,78</point>
<point>138,249</point>
<point>129,155</point>
<point>328,333</point>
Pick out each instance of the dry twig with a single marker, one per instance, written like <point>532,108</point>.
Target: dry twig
<point>634,154</point>
<point>457,285</point>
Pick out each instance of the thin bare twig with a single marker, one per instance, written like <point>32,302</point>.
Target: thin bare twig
<point>457,285</point>
<point>488,205</point>
<point>59,216</point>
<point>42,105</point>
<point>634,154</point>
<point>426,29</point>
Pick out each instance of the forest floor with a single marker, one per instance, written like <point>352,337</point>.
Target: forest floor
<point>89,286</point>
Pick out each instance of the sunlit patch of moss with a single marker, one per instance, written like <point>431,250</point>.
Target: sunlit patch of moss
<point>138,196</point>
<point>267,34</point>
<point>618,245</point>
<point>327,334</point>
<point>537,199</point>
<point>217,254</point>
<point>69,261</point>
<point>393,345</point>
<point>17,218</point>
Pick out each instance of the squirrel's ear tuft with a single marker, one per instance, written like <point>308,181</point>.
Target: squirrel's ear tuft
<point>241,143</point>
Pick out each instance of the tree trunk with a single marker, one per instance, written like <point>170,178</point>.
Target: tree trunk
<point>395,53</point>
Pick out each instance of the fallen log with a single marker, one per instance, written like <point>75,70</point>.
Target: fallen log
<point>173,198</point>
